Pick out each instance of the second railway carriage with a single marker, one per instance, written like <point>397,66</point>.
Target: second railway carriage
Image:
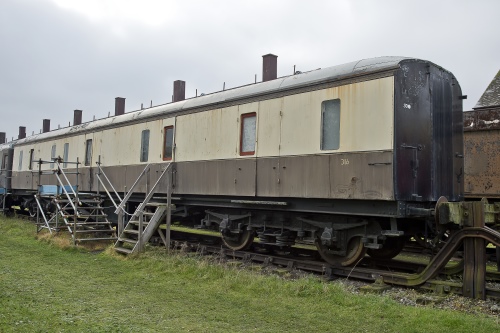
<point>352,157</point>
<point>6,156</point>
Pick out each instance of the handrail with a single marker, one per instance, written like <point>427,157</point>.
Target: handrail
<point>59,169</point>
<point>152,191</point>
<point>110,184</point>
<point>129,193</point>
<point>67,195</point>
<point>43,214</point>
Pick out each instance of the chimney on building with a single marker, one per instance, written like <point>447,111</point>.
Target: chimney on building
<point>22,132</point>
<point>46,126</point>
<point>3,135</point>
<point>119,106</point>
<point>179,91</point>
<point>77,117</point>
<point>269,67</point>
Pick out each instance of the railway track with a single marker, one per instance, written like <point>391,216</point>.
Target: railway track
<point>429,273</point>
<point>381,273</point>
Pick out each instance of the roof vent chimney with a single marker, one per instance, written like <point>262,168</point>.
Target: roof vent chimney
<point>22,132</point>
<point>77,117</point>
<point>3,135</point>
<point>119,106</point>
<point>269,67</point>
<point>179,91</point>
<point>46,125</point>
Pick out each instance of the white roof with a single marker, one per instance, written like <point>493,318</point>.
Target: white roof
<point>280,84</point>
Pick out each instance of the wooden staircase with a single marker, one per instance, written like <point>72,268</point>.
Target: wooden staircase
<point>81,213</point>
<point>141,228</point>
<point>146,219</point>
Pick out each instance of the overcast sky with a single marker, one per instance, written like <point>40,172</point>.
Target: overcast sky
<point>61,55</point>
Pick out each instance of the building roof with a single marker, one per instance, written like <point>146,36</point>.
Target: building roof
<point>491,96</point>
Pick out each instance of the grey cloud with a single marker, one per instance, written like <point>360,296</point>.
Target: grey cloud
<point>54,60</point>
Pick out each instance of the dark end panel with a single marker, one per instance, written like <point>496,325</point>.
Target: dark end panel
<point>428,133</point>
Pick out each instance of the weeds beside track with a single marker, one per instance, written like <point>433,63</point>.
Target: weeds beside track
<point>46,288</point>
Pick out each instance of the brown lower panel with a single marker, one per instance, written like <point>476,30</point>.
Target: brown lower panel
<point>338,176</point>
<point>222,177</point>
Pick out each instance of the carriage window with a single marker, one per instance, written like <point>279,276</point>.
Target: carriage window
<point>248,132</point>
<point>168,143</point>
<point>144,145</point>
<point>65,155</point>
<point>330,124</point>
<point>88,152</point>
<point>20,166</point>
<point>32,156</point>
<point>52,156</point>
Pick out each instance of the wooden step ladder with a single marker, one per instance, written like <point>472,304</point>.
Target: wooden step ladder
<point>146,219</point>
<point>141,228</point>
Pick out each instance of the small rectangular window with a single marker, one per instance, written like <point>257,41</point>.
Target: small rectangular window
<point>52,156</point>
<point>144,145</point>
<point>65,155</point>
<point>88,152</point>
<point>248,133</point>
<point>330,124</point>
<point>32,157</point>
<point>168,143</point>
<point>20,166</point>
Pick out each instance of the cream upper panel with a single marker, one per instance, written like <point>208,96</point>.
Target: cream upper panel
<point>290,125</point>
<point>122,145</point>
<point>269,127</point>
<point>366,118</point>
<point>43,150</point>
<point>208,135</point>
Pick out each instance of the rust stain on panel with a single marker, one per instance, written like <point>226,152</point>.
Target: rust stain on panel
<point>482,161</point>
<point>481,120</point>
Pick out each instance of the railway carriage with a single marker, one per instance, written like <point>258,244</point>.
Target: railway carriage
<point>6,156</point>
<point>351,157</point>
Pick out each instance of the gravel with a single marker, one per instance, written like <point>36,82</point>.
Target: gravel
<point>412,297</point>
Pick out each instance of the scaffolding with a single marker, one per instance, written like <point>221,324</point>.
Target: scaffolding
<point>63,206</point>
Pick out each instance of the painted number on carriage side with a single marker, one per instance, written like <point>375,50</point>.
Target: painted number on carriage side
<point>344,161</point>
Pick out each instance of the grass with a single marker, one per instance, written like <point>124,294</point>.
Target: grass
<point>46,285</point>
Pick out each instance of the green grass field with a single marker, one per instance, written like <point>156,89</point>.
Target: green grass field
<point>46,287</point>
